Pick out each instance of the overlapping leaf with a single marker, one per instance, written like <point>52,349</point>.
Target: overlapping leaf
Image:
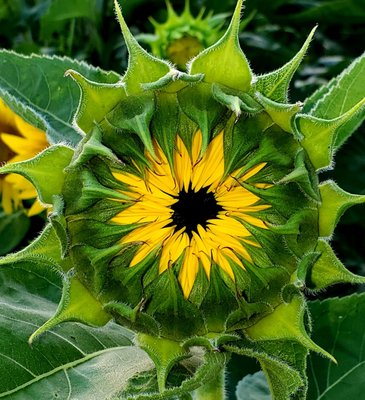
<point>39,83</point>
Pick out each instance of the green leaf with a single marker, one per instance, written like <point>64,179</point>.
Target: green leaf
<point>142,67</point>
<point>134,114</point>
<point>343,93</point>
<point>13,228</point>
<point>286,322</point>
<point>328,269</point>
<point>335,202</point>
<point>43,254</point>
<point>65,361</point>
<point>199,105</point>
<point>274,85</point>
<point>253,387</point>
<point>77,304</point>
<point>164,353</point>
<point>339,327</point>
<point>281,364</point>
<point>45,171</point>
<point>38,82</point>
<point>97,99</point>
<point>207,370</point>
<point>224,62</point>
<point>318,136</point>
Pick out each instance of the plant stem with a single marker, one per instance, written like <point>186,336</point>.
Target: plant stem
<point>213,390</point>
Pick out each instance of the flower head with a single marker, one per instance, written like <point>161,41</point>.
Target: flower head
<point>192,211</point>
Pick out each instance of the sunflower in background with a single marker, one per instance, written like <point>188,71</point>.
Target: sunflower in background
<point>19,141</point>
<point>182,37</point>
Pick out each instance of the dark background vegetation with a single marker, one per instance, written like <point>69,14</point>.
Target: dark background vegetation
<point>272,33</point>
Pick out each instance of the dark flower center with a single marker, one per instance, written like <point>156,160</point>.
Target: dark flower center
<point>193,209</point>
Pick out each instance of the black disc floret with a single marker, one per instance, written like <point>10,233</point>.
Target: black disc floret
<point>193,209</point>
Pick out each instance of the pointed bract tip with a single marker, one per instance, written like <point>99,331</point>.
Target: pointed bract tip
<point>73,74</point>
<point>237,16</point>
<point>142,66</point>
<point>125,30</point>
<point>170,10</point>
<point>51,323</point>
<point>187,8</point>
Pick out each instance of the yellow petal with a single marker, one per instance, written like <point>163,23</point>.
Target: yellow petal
<point>189,269</point>
<point>172,249</point>
<point>30,132</point>
<point>7,197</point>
<point>6,117</point>
<point>210,169</point>
<point>196,148</point>
<point>252,171</point>
<point>36,208</point>
<point>182,165</point>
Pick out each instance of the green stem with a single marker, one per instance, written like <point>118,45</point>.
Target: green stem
<point>213,390</point>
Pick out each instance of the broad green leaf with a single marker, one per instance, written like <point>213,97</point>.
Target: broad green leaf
<point>71,361</point>
<point>13,228</point>
<point>253,387</point>
<point>339,327</point>
<point>342,94</point>
<point>38,82</point>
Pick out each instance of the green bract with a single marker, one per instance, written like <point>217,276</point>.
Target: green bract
<point>191,212</point>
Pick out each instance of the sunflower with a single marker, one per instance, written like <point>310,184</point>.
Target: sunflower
<point>182,37</point>
<point>19,141</point>
<point>191,210</point>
